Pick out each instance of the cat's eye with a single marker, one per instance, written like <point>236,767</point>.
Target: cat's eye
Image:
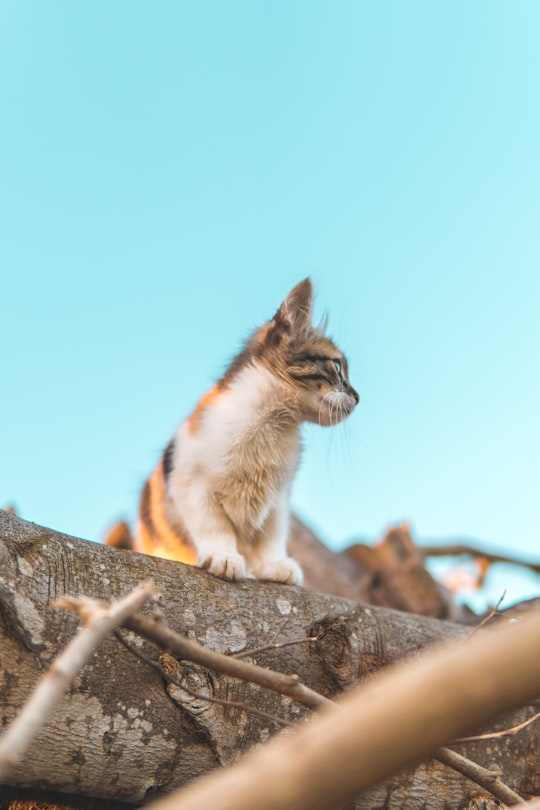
<point>337,364</point>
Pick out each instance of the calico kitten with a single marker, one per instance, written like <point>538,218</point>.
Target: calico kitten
<point>219,496</point>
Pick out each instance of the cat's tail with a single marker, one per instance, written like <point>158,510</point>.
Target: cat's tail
<point>120,536</point>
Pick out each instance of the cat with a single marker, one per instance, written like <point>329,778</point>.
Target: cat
<point>219,496</point>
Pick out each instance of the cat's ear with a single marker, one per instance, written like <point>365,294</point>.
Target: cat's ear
<point>295,312</point>
<point>293,318</point>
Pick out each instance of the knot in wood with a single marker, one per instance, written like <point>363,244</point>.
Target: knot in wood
<point>335,650</point>
<point>193,686</point>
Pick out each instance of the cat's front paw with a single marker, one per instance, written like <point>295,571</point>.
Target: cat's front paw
<point>220,564</point>
<point>287,571</point>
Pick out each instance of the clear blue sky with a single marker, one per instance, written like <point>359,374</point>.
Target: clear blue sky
<point>169,170</point>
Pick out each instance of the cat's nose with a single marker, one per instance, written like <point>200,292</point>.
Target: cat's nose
<point>355,394</point>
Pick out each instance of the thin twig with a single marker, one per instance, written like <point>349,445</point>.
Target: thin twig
<point>482,776</point>
<point>171,675</point>
<point>100,620</point>
<point>185,648</point>
<point>280,629</point>
<point>171,665</point>
<point>505,732</point>
<point>491,615</point>
<point>272,646</point>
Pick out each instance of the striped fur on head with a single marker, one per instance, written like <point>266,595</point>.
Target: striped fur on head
<point>312,370</point>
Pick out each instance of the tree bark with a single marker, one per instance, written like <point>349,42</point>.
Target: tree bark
<point>121,733</point>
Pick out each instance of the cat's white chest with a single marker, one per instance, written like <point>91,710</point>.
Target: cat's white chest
<point>245,453</point>
<point>258,475</point>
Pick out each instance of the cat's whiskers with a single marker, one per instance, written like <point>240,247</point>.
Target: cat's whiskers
<point>323,401</point>
<point>339,404</point>
<point>333,406</point>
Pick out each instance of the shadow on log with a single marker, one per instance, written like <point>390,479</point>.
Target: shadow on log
<point>122,735</point>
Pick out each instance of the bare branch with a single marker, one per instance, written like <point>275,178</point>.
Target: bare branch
<point>100,621</point>
<point>357,641</point>
<point>461,549</point>
<point>467,767</point>
<point>425,702</point>
<point>276,645</point>
<point>173,670</point>
<point>482,776</point>
<point>169,669</point>
<point>491,615</point>
<point>189,650</point>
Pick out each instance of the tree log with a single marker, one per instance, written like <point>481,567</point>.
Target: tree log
<point>122,734</point>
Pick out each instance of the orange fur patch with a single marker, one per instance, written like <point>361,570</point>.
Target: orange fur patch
<point>194,420</point>
<point>120,536</point>
<point>164,541</point>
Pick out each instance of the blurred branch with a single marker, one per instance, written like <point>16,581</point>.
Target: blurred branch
<point>460,549</point>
